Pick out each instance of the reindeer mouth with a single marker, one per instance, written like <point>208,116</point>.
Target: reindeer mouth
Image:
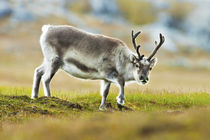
<point>144,81</point>
<point>140,82</point>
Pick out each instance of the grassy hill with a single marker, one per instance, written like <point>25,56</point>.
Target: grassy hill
<point>145,116</point>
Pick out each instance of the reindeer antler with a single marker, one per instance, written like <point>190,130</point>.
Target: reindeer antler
<point>134,43</point>
<point>162,39</point>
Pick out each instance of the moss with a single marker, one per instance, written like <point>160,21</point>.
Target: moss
<point>22,106</point>
<point>17,106</point>
<point>153,116</point>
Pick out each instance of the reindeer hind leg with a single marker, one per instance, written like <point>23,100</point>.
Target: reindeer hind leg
<point>39,71</point>
<point>50,69</point>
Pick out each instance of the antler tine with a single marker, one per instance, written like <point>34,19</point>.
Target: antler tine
<point>134,38</point>
<point>162,40</point>
<point>134,42</point>
<point>137,50</point>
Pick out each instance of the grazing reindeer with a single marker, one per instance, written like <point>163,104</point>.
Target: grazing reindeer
<point>91,56</point>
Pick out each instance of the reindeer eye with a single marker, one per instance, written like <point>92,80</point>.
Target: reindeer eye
<point>150,68</point>
<point>137,66</point>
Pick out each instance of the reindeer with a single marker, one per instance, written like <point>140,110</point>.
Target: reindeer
<point>91,56</point>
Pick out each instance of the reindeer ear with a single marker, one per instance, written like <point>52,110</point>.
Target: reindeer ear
<point>133,59</point>
<point>153,62</point>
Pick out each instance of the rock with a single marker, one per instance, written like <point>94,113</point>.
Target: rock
<point>105,10</point>
<point>187,33</point>
<point>199,31</point>
<point>5,9</point>
<point>104,7</point>
<point>20,14</point>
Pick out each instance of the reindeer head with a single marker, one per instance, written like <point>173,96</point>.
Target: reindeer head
<point>142,65</point>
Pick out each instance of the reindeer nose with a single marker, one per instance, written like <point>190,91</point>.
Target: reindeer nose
<point>142,78</point>
<point>145,79</point>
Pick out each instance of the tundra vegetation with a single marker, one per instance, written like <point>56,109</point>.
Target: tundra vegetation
<point>71,115</point>
<point>174,105</point>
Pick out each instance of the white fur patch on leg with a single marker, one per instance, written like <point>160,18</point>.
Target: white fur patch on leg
<point>120,101</point>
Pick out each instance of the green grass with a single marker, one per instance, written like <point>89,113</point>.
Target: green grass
<point>71,115</point>
<point>16,103</point>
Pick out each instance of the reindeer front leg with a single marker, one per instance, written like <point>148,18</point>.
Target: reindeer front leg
<point>105,85</point>
<point>121,96</point>
<point>114,77</point>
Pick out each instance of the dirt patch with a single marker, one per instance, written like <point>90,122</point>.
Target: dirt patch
<point>25,98</point>
<point>54,102</point>
<point>35,109</point>
<point>13,106</point>
<point>123,108</point>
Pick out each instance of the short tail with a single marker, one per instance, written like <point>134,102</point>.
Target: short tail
<point>45,28</point>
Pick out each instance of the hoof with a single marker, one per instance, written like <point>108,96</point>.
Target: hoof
<point>119,106</point>
<point>120,101</point>
<point>105,107</point>
<point>102,108</point>
<point>34,97</point>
